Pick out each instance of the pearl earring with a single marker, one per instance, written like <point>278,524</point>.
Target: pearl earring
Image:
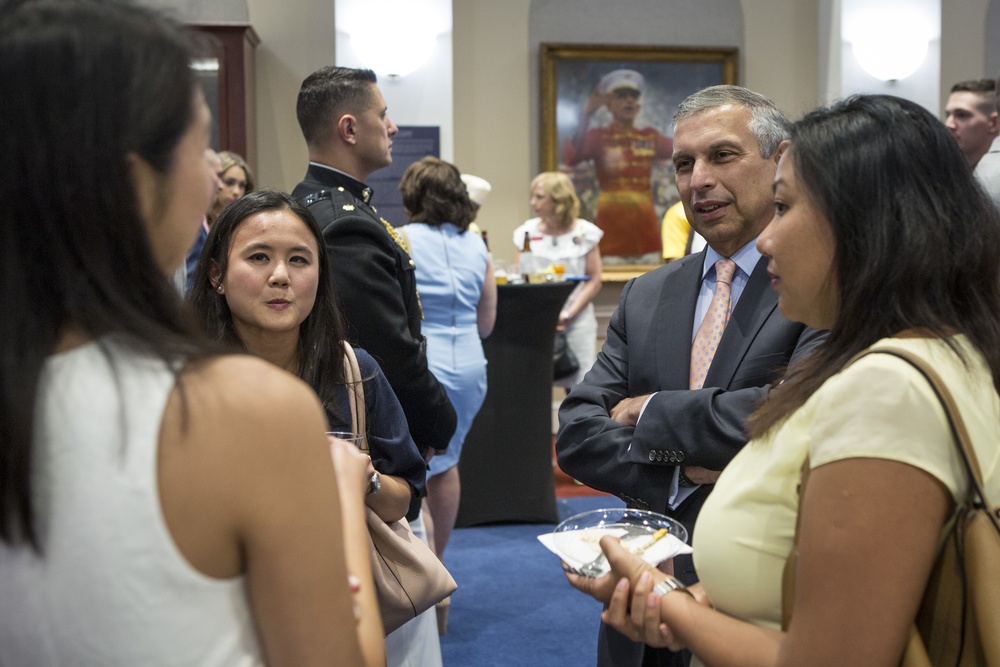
<point>219,288</point>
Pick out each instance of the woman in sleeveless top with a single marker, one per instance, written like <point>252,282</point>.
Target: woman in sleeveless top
<point>152,510</point>
<point>882,236</point>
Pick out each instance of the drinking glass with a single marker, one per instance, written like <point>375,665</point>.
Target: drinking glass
<point>353,438</point>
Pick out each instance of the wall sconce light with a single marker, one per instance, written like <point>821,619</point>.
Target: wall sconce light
<point>402,40</point>
<point>393,53</point>
<point>890,43</point>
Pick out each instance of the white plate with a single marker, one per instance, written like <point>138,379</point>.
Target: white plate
<point>576,540</point>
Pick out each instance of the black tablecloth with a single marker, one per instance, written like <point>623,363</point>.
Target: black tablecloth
<point>506,464</point>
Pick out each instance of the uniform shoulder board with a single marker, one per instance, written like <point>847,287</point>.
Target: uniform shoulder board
<point>339,199</point>
<point>309,200</point>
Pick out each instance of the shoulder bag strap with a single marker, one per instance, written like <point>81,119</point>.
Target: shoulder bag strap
<point>355,394</point>
<point>788,574</point>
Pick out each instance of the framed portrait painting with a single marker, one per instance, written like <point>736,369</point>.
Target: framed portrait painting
<point>607,117</point>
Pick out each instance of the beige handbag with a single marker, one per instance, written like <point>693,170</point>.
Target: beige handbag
<point>409,577</point>
<point>958,624</point>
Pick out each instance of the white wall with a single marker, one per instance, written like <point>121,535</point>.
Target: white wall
<point>970,42</point>
<point>296,39</point>
<point>991,37</point>
<point>493,122</point>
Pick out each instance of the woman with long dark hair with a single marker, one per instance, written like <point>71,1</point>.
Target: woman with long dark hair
<point>882,236</point>
<point>152,510</point>
<point>262,285</point>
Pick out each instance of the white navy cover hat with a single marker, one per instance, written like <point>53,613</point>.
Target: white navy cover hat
<point>477,188</point>
<point>622,78</point>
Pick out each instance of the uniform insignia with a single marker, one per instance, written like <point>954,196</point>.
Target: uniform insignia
<point>402,244</point>
<point>395,235</point>
<point>348,207</point>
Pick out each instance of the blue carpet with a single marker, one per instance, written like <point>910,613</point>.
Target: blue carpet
<point>513,605</point>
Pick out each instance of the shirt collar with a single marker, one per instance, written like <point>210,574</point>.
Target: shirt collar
<point>351,184</point>
<point>746,258</point>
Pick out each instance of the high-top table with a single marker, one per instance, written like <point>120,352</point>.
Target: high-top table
<point>506,464</point>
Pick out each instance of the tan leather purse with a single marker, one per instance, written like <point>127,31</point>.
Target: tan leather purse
<point>958,624</point>
<point>409,578</point>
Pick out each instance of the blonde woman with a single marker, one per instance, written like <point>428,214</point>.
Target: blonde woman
<point>558,236</point>
<point>236,180</point>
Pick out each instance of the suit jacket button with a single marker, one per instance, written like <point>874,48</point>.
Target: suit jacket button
<point>652,455</point>
<point>680,457</point>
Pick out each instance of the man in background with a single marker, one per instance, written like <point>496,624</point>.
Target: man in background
<point>663,409</point>
<point>345,122</point>
<point>972,117</point>
<point>349,135</point>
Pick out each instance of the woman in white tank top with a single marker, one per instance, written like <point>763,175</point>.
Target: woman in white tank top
<point>160,503</point>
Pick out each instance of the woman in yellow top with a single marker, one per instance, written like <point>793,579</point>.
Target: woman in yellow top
<point>882,236</point>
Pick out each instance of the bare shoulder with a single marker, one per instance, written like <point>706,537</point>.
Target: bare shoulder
<point>235,370</point>
<point>240,402</point>
<point>238,436</point>
<point>243,384</point>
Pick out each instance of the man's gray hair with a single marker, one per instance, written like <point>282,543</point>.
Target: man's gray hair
<point>767,123</point>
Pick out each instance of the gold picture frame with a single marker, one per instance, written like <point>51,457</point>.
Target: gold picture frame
<point>569,75</point>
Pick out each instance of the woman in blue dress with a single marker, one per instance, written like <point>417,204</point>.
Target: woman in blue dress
<point>459,296</point>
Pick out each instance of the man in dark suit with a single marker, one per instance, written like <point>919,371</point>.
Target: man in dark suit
<point>349,135</point>
<point>645,424</point>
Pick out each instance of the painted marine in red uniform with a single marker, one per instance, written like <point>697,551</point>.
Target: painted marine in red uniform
<point>623,156</point>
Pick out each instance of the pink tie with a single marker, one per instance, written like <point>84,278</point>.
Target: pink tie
<point>710,332</point>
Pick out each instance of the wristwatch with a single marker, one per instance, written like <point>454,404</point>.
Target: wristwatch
<point>376,484</point>
<point>683,480</point>
<point>670,584</point>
